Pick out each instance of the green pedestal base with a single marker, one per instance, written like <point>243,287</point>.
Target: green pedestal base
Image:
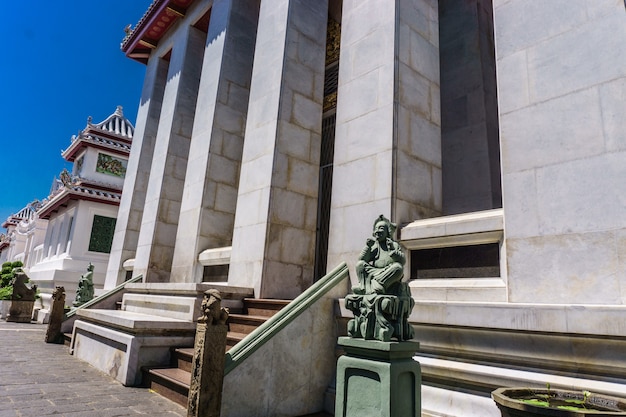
<point>378,379</point>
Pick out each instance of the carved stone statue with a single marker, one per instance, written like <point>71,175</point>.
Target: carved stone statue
<point>20,291</point>
<point>22,298</point>
<point>381,302</point>
<point>212,311</point>
<point>54,334</point>
<point>84,292</point>
<point>207,367</point>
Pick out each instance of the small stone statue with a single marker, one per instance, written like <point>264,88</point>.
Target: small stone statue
<point>54,334</point>
<point>22,298</point>
<point>20,291</point>
<point>381,302</point>
<point>84,292</point>
<point>212,311</point>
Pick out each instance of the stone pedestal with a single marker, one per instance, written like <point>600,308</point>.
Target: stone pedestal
<point>20,311</point>
<point>377,378</point>
<point>4,308</point>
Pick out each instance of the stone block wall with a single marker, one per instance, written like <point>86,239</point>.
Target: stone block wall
<point>561,68</point>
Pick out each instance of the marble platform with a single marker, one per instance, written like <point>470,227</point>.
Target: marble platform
<point>133,341</point>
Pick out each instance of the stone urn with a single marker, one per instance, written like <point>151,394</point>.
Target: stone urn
<point>528,402</point>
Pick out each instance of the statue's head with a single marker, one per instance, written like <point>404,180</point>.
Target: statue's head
<point>383,228</point>
<point>90,267</point>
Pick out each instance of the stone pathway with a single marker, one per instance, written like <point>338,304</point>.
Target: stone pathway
<point>40,379</point>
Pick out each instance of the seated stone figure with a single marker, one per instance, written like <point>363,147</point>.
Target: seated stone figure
<point>381,262</point>
<point>85,291</point>
<point>381,303</point>
<point>20,291</point>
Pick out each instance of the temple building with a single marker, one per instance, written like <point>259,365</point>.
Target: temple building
<point>271,133</point>
<point>24,232</point>
<point>76,221</point>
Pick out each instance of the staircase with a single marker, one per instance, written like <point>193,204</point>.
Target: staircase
<point>173,382</point>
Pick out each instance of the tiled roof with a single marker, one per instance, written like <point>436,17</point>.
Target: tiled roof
<point>115,124</point>
<point>78,191</point>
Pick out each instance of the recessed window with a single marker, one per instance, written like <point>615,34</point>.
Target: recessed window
<point>473,261</point>
<point>215,273</point>
<point>102,234</point>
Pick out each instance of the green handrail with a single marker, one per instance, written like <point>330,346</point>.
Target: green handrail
<point>262,334</point>
<point>102,297</point>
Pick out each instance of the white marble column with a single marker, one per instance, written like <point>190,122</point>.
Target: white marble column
<point>210,191</point>
<point>388,141</point>
<point>155,245</point>
<point>274,236</point>
<point>130,212</point>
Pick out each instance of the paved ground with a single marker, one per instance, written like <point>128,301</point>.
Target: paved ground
<point>40,379</point>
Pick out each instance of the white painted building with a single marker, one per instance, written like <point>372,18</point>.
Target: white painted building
<point>82,208</point>
<point>272,132</point>
<point>24,232</point>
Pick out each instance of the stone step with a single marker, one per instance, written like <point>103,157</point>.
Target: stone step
<point>181,358</point>
<point>244,323</point>
<point>263,307</point>
<point>232,338</point>
<point>171,383</point>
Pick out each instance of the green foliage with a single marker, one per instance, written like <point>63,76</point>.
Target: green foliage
<point>7,273</point>
<point>6,278</point>
<point>5,292</point>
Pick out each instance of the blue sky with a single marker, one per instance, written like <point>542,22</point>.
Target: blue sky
<point>61,63</point>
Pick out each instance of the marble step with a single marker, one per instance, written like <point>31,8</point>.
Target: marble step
<point>171,383</point>
<point>263,307</point>
<point>244,323</point>
<point>181,358</point>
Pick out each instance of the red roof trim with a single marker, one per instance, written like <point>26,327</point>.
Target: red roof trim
<point>79,144</point>
<point>159,17</point>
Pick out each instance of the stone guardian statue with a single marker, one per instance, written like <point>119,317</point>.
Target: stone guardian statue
<point>84,292</point>
<point>381,302</point>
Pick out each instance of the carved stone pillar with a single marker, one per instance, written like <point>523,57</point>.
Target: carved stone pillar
<point>54,333</point>
<point>207,373</point>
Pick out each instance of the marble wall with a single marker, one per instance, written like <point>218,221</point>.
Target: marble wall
<point>387,143</point>
<point>561,68</point>
<point>274,234</point>
<point>207,211</point>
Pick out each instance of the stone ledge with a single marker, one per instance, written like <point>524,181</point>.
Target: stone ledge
<point>191,289</point>
<point>461,229</point>
<point>557,318</point>
<point>181,308</point>
<point>216,256</point>
<point>462,373</point>
<point>133,322</point>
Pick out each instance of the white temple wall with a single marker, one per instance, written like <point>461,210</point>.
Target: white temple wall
<point>561,68</point>
<point>89,168</point>
<point>274,235</point>
<point>387,143</point>
<point>67,243</point>
<point>138,171</point>
<point>161,212</point>
<point>207,211</point>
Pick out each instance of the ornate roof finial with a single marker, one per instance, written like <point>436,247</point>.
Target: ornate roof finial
<point>119,111</point>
